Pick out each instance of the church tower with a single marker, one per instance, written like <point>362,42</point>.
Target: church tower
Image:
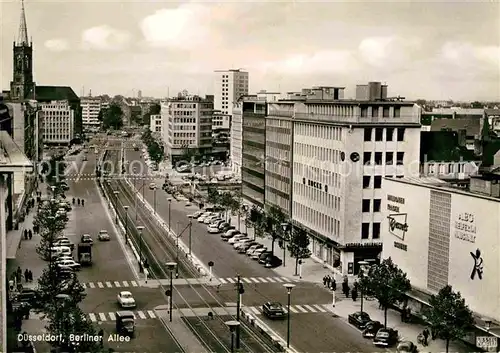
<point>22,86</point>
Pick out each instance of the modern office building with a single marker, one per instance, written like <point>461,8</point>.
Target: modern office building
<point>156,123</point>
<point>187,125</point>
<point>91,106</point>
<point>441,235</point>
<point>58,122</point>
<point>230,85</point>
<point>221,122</point>
<point>342,149</point>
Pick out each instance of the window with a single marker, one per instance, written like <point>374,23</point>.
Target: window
<point>385,112</point>
<point>389,133</point>
<point>366,181</point>
<point>399,158</point>
<point>397,112</point>
<point>366,206</point>
<point>367,156</point>
<point>376,205</point>
<point>364,112</point>
<point>374,112</point>
<point>379,133</point>
<point>378,158</point>
<point>389,158</point>
<point>368,134</point>
<point>365,230</point>
<point>377,181</point>
<point>401,134</point>
<point>376,231</point>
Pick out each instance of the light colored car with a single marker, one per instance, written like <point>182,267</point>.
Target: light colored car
<point>152,186</point>
<point>69,264</point>
<point>212,229</point>
<point>62,258</point>
<point>126,300</point>
<point>210,219</point>
<point>242,248</point>
<point>256,254</point>
<point>253,248</point>
<point>103,235</point>
<point>237,245</point>
<point>201,219</point>
<point>195,215</point>
<point>64,242</point>
<point>237,238</point>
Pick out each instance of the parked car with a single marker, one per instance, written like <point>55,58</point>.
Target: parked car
<point>274,310</point>
<point>263,257</point>
<point>210,219</point>
<point>237,237</point>
<point>225,227</point>
<point>126,300</point>
<point>152,186</point>
<point>242,246</point>
<point>86,238</point>
<point>64,242</point>
<point>254,247</point>
<point>201,219</point>
<point>195,215</point>
<point>69,264</point>
<point>103,235</point>
<point>359,319</point>
<point>407,347</point>
<point>213,229</point>
<point>229,234</point>
<point>386,337</point>
<point>371,329</point>
<point>245,240</point>
<point>273,261</point>
<point>259,252</point>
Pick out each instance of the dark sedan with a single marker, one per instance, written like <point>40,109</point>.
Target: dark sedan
<point>273,310</point>
<point>359,319</point>
<point>371,329</point>
<point>386,337</point>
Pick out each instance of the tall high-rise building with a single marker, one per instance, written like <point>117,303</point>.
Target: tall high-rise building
<point>91,106</point>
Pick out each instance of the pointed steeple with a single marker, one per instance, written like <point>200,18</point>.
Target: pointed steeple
<point>23,28</point>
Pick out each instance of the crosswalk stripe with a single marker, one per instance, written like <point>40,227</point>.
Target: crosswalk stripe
<point>117,284</point>
<point>255,310</point>
<point>310,308</point>
<point>301,308</point>
<point>134,283</point>
<point>93,318</point>
<point>125,283</point>
<point>293,310</point>
<point>270,279</point>
<point>109,285</point>
<point>151,314</point>
<point>84,286</point>
<point>141,315</point>
<point>277,279</point>
<point>221,280</point>
<point>320,308</point>
<point>255,280</point>
<point>112,316</point>
<point>100,285</point>
<point>246,280</point>
<point>102,317</point>
<point>91,285</point>
<point>295,280</point>
<point>285,279</point>
<point>328,307</point>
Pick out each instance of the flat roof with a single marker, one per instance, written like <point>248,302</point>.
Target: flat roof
<point>357,102</point>
<point>12,158</point>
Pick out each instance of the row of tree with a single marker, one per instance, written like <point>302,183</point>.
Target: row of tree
<point>448,317</point>
<point>59,292</point>
<point>271,222</point>
<point>112,117</point>
<point>155,150</point>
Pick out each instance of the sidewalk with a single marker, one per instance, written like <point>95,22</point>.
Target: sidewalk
<point>313,272</point>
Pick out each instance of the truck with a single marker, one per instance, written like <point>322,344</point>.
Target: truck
<point>85,254</point>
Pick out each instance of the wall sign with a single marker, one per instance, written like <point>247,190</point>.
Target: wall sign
<point>394,199</point>
<point>477,269</point>
<point>465,227</point>
<point>398,225</point>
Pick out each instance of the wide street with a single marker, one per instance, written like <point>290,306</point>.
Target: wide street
<point>315,328</point>
<point>111,272</point>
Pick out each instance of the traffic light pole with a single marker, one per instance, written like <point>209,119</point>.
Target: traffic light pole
<point>238,308</point>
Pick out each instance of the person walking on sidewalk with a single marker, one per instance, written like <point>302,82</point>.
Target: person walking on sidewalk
<point>354,294</point>
<point>324,281</point>
<point>30,234</point>
<point>333,285</point>
<point>83,202</point>
<point>26,275</point>
<point>425,333</point>
<point>30,275</point>
<point>25,234</point>
<point>19,273</point>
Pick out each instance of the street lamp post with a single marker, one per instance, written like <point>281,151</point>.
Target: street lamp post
<point>143,183</point>
<point>116,192</point>
<point>289,288</point>
<point>171,266</point>
<point>190,234</point>
<point>286,228</point>
<point>140,229</point>
<point>362,266</point>
<point>126,224</point>
<point>169,214</point>
<point>233,325</point>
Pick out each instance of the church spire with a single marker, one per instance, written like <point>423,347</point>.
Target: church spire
<point>23,28</point>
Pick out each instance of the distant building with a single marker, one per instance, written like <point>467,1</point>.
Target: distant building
<point>229,86</point>
<point>58,122</point>
<point>139,94</point>
<point>91,106</point>
<point>221,122</point>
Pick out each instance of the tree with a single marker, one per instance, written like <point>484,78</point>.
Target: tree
<point>274,219</point>
<point>154,109</point>
<point>156,152</point>
<point>51,223</point>
<point>113,117</point>
<point>386,282</point>
<point>257,219</point>
<point>448,315</point>
<point>213,196</point>
<point>229,203</point>
<point>299,246</point>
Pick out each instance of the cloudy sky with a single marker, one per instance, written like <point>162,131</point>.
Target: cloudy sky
<point>434,50</point>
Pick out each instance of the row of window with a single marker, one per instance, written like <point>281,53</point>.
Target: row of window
<point>379,160</point>
<point>320,175</point>
<point>184,120</point>
<point>313,218</point>
<point>184,142</point>
<point>379,134</point>
<point>385,110</point>
<point>377,181</point>
<point>319,131</point>
<point>330,201</point>
<point>365,230</point>
<point>184,127</point>
<point>366,205</point>
<point>318,153</point>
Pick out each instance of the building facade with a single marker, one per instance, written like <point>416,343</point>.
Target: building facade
<point>221,122</point>
<point>278,156</point>
<point>341,151</point>
<point>441,235</point>
<point>91,106</point>
<point>58,122</point>
<point>253,149</point>
<point>230,85</point>
<point>187,125</point>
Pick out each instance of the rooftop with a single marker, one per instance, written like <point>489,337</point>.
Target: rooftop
<point>12,158</point>
<point>52,93</point>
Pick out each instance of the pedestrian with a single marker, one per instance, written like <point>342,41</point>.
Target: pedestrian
<point>403,315</point>
<point>26,275</point>
<point>324,281</point>
<point>19,272</point>
<point>30,276</point>
<point>344,288</point>
<point>426,336</point>
<point>78,201</point>
<point>73,200</point>
<point>25,234</point>
<point>328,281</point>
<point>83,202</point>
<point>347,289</point>
<point>30,234</point>
<point>333,285</point>
<point>354,294</point>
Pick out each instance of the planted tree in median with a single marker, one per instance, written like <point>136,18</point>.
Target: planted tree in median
<point>387,283</point>
<point>448,315</point>
<point>50,222</point>
<point>299,246</point>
